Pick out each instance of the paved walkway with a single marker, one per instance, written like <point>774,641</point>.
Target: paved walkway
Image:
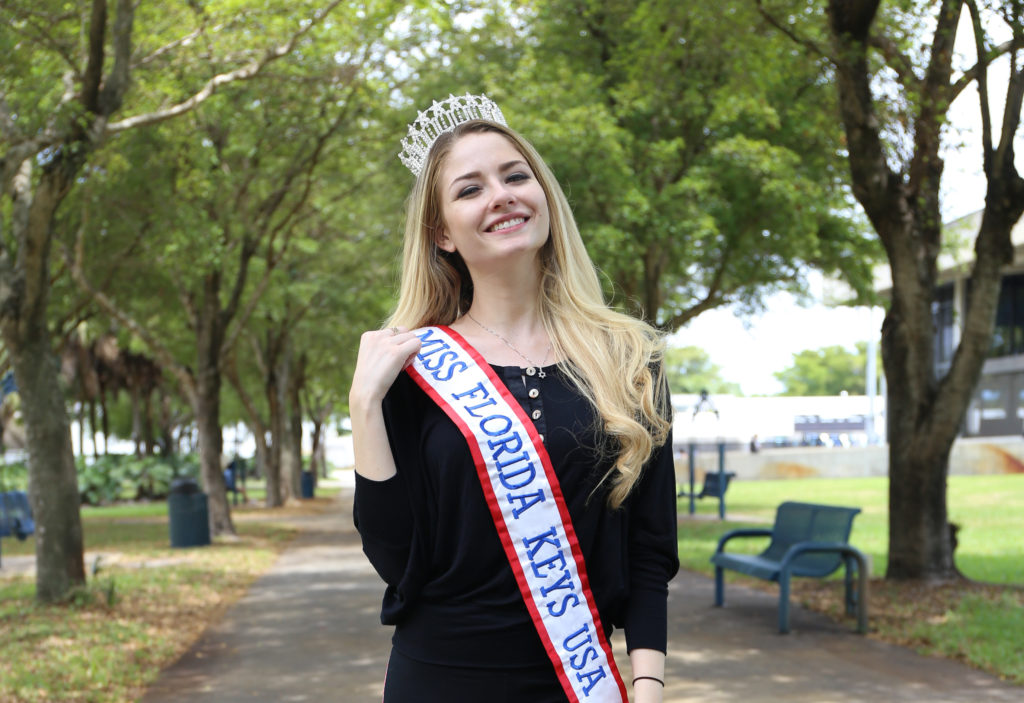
<point>308,631</point>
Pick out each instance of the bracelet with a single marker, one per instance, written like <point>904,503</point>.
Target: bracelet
<point>649,678</point>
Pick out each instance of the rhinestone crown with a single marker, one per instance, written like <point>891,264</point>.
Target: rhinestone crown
<point>443,117</point>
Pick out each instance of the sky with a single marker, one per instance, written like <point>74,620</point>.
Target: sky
<point>750,350</point>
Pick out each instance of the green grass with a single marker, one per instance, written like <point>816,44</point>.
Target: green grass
<point>983,626</point>
<point>143,608</point>
<point>989,510</point>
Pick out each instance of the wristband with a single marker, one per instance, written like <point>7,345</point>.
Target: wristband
<point>649,678</point>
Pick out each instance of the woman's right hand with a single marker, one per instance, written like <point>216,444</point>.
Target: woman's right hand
<point>382,356</point>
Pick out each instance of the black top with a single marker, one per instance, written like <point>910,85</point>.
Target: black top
<point>451,593</point>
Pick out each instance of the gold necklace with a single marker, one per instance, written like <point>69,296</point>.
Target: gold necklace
<point>510,345</point>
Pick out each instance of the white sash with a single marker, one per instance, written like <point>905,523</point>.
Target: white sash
<point>529,511</point>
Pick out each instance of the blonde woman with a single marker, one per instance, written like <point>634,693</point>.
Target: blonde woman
<point>515,487</point>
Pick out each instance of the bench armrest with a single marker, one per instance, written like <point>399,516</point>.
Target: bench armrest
<point>742,532</point>
<point>799,548</point>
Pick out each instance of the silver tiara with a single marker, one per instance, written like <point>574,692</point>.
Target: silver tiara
<point>443,117</point>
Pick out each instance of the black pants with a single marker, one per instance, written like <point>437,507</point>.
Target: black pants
<point>411,681</point>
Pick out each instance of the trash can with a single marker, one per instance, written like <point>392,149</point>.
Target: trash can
<point>189,515</point>
<point>307,484</point>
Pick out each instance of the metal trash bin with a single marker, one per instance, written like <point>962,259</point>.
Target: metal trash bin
<point>189,515</point>
<point>308,484</point>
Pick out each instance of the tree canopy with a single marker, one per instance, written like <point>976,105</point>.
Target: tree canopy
<point>690,370</point>
<point>831,370</point>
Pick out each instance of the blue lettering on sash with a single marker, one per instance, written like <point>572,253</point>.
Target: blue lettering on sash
<point>551,563</point>
<point>556,609</point>
<point>471,409</point>
<point>479,387</point>
<point>565,581</point>
<point>526,501</point>
<point>436,363</point>
<point>504,422</point>
<point>577,661</point>
<point>533,544</point>
<point>443,367</point>
<point>527,479</point>
<point>511,443</point>
<point>429,348</point>
<point>592,678</point>
<point>506,477</point>
<point>447,373</point>
<point>574,641</point>
<point>427,337</point>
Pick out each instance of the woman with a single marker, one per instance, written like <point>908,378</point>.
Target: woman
<point>519,517</point>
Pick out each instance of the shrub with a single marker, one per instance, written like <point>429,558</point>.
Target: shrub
<point>124,477</point>
<point>14,476</point>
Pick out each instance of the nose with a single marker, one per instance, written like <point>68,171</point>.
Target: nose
<point>503,197</point>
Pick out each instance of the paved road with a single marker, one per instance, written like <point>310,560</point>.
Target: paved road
<point>308,631</point>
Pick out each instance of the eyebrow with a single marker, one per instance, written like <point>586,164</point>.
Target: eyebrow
<point>476,174</point>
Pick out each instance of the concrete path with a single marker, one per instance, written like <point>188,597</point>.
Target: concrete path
<point>309,631</point>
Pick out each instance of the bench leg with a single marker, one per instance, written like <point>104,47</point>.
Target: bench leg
<point>850,594</point>
<point>862,594</point>
<point>784,603</point>
<point>719,586</point>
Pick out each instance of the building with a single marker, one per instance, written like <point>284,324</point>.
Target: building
<point>997,408</point>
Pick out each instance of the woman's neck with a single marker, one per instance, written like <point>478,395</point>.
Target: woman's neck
<point>508,301</point>
<point>504,322</point>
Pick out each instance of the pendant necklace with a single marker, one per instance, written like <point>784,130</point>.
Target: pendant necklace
<point>510,345</point>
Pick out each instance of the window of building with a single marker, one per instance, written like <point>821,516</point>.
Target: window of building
<point>1008,334</point>
<point>942,314</point>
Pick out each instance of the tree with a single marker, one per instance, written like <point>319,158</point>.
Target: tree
<point>690,370</point>
<point>895,79</point>
<point>827,371</point>
<point>64,91</point>
<point>697,182</point>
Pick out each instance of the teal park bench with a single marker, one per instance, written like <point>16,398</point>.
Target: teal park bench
<point>715,485</point>
<point>807,540</point>
<point>15,515</point>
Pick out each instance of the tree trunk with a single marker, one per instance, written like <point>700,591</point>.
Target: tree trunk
<point>316,459</point>
<point>262,452</point>
<point>293,430</point>
<point>53,484</point>
<point>206,404</point>
<point>148,439</point>
<point>92,430</point>
<point>277,488</point>
<point>104,421</point>
<point>53,481</point>
<point>133,394</point>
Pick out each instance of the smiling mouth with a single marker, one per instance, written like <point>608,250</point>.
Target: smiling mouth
<point>507,224</point>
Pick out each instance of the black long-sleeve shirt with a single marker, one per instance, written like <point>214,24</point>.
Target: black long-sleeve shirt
<point>451,593</point>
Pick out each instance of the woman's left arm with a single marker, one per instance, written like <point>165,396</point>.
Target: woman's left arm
<point>653,561</point>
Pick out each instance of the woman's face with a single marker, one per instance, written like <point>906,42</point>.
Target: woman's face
<point>492,204</point>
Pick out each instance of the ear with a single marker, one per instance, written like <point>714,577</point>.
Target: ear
<point>444,241</point>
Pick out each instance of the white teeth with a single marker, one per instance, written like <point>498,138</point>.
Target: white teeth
<point>508,223</point>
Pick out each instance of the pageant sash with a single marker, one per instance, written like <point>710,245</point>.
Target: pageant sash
<point>528,509</point>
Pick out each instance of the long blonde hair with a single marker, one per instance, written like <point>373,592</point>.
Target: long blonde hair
<point>614,359</point>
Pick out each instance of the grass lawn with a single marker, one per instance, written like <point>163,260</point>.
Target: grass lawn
<point>980,621</point>
<point>143,607</point>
